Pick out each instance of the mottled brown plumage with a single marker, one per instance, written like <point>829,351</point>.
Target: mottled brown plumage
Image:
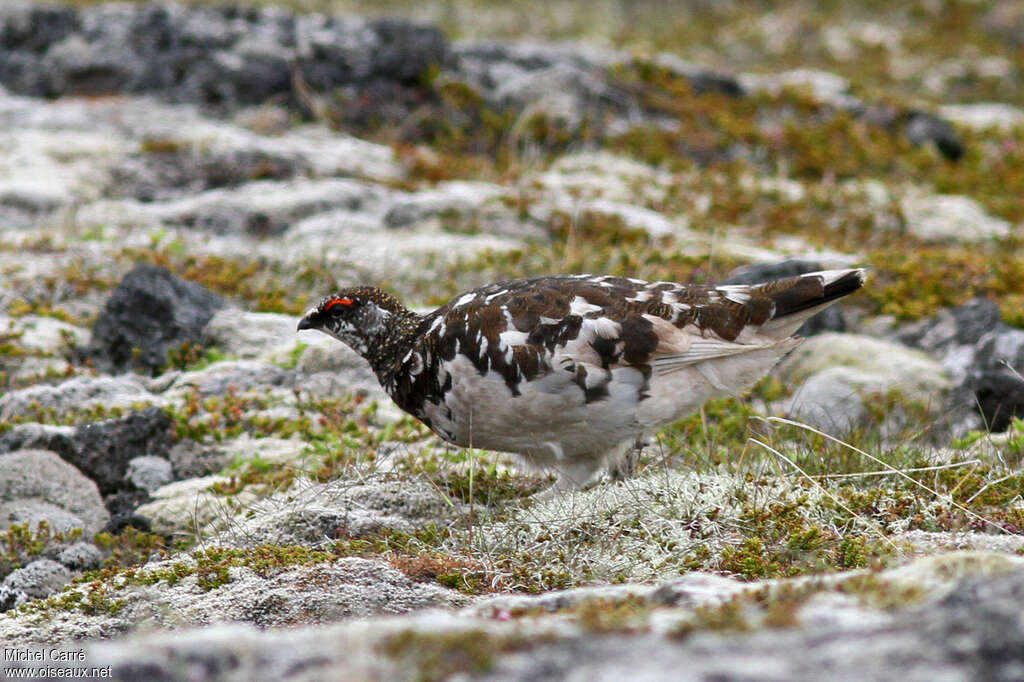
<point>569,370</point>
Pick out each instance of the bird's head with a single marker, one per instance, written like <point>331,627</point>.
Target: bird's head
<point>362,317</point>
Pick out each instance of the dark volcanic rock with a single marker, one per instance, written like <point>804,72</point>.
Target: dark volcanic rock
<point>154,311</point>
<point>59,439</point>
<point>921,128</point>
<point>996,378</point>
<point>104,449</point>
<point>964,325</point>
<point>829,320</point>
<point>983,354</point>
<point>122,506</point>
<point>227,56</point>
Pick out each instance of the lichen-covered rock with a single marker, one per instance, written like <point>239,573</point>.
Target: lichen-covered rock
<point>34,512</point>
<point>78,393</point>
<point>950,217</point>
<point>974,631</point>
<point>41,578</point>
<point>151,312</point>
<point>81,556</point>
<point>246,335</point>
<point>42,476</point>
<point>231,375</point>
<point>896,366</point>
<point>149,472</point>
<point>190,506</point>
<point>44,335</point>
<point>982,115</point>
<point>312,514</point>
<point>33,436</point>
<point>836,373</point>
<point>275,594</point>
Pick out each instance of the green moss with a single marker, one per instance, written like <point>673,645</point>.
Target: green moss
<point>441,655</point>
<point>601,616</point>
<point>20,543</point>
<point>130,547</point>
<point>189,357</point>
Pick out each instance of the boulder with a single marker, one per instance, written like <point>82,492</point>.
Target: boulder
<point>42,476</point>
<point>104,450</point>
<point>151,312</point>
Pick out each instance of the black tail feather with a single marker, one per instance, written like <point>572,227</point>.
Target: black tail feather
<point>796,294</point>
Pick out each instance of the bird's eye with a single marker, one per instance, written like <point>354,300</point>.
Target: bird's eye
<point>338,303</point>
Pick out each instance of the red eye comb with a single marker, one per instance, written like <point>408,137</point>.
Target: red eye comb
<point>337,301</point>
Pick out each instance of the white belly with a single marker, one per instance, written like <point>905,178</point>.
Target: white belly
<point>549,421</point>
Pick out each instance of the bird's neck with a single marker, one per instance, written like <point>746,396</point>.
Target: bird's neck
<point>386,346</point>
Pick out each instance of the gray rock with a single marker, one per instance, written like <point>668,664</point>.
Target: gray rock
<point>10,597</point>
<point>161,175</point>
<point>948,217</point>
<point>920,127</point>
<point>323,354</point>
<point>949,330</point>
<point>236,375</point>
<point>190,459</point>
<point>33,28</point>
<point>975,631</point>
<point>150,313</point>
<point>149,472</point>
<point>77,393</point>
<point>832,400</point>
<point>996,378</point>
<point>42,476</point>
<point>41,578</point>
<point>32,512</point>
<point>984,356</point>
<point>895,365</point>
<point>315,514</point>
<point>103,450</point>
<point>81,556</point>
<point>839,372</point>
<point>208,55</point>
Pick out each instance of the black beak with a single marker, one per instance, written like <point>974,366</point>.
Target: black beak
<point>305,323</point>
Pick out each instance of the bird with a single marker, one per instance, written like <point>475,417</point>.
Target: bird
<point>570,371</point>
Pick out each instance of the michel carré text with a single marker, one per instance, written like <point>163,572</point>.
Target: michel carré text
<point>24,655</point>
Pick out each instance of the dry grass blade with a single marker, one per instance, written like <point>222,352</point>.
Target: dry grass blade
<point>946,498</point>
<point>869,523</point>
<point>915,470</point>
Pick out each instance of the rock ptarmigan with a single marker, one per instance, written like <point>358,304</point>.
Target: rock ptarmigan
<point>570,371</point>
